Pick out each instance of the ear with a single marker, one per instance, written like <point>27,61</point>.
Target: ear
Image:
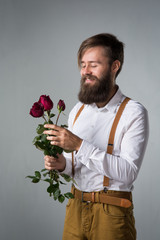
<point>115,66</point>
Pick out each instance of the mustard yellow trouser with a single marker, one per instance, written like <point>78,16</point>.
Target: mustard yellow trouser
<point>98,221</point>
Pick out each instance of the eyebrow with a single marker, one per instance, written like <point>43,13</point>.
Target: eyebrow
<point>91,62</point>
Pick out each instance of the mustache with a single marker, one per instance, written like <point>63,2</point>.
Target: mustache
<point>88,76</point>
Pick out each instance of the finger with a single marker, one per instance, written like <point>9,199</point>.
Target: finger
<point>52,126</point>
<point>49,167</point>
<point>50,132</point>
<point>55,143</point>
<point>51,138</point>
<point>46,157</point>
<point>50,164</point>
<point>49,159</point>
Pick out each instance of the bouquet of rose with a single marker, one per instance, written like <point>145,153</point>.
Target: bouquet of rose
<point>42,108</point>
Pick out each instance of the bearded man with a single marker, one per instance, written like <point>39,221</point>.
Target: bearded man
<point>107,135</point>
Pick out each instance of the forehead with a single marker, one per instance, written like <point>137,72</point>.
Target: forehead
<point>94,53</point>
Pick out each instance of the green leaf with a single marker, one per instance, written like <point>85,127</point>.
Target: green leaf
<point>45,174</point>
<point>62,183</point>
<point>40,129</point>
<point>64,126</point>
<point>57,149</point>
<point>56,179</point>
<point>52,151</point>
<point>60,150</point>
<point>37,138</point>
<point>50,122</point>
<point>37,174</point>
<point>48,180</point>
<point>51,189</point>
<point>52,115</point>
<point>43,138</point>
<point>66,177</point>
<point>69,195</point>
<point>56,186</point>
<point>35,180</point>
<point>30,177</point>
<point>39,145</point>
<point>61,198</point>
<point>47,152</point>
<point>43,170</point>
<point>56,194</point>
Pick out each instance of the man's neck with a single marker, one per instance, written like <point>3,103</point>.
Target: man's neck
<point>112,93</point>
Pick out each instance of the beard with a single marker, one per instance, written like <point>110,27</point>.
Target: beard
<point>97,93</point>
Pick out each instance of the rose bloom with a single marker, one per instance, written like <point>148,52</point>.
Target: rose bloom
<point>37,110</point>
<point>61,105</point>
<point>46,101</point>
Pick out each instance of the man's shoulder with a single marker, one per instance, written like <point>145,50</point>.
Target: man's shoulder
<point>136,105</point>
<point>75,110</point>
<point>73,114</point>
<point>135,108</point>
<point>132,105</point>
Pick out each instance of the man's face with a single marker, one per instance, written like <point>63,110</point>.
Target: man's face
<point>96,77</point>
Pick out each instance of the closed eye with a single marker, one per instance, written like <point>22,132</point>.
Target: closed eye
<point>94,66</point>
<point>83,66</point>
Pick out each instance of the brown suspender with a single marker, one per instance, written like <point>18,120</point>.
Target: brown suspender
<point>112,133</point>
<point>77,115</point>
<point>111,136</point>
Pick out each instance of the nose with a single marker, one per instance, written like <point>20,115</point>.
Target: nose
<point>86,70</point>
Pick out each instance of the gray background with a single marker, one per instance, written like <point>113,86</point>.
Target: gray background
<point>39,40</point>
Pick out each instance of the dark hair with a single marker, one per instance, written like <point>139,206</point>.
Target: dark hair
<point>113,47</point>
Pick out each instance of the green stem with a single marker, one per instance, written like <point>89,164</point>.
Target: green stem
<point>58,117</point>
<point>50,173</point>
<point>48,115</point>
<point>44,118</point>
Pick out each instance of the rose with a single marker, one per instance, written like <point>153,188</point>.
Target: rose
<point>46,101</point>
<point>37,110</point>
<point>61,105</point>
<point>53,177</point>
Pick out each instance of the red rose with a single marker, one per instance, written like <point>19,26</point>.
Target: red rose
<point>61,105</point>
<point>46,101</point>
<point>37,110</point>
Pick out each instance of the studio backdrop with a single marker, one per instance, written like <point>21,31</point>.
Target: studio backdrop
<point>39,40</point>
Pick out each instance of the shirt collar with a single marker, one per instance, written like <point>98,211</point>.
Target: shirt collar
<point>112,104</point>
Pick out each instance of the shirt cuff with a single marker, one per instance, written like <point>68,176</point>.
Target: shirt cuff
<point>68,168</point>
<point>84,152</point>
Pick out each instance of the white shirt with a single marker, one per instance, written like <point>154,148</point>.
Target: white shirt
<point>92,161</point>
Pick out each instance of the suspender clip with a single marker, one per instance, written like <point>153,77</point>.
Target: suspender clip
<point>105,189</point>
<point>82,198</point>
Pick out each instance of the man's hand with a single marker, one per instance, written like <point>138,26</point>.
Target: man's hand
<point>52,163</point>
<point>62,137</point>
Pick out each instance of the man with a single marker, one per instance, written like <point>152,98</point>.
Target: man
<point>108,134</point>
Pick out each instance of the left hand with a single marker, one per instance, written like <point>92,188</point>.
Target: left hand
<point>52,163</point>
<point>62,137</point>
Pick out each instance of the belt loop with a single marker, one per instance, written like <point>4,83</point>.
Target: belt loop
<point>93,197</point>
<point>82,197</point>
<point>73,189</point>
